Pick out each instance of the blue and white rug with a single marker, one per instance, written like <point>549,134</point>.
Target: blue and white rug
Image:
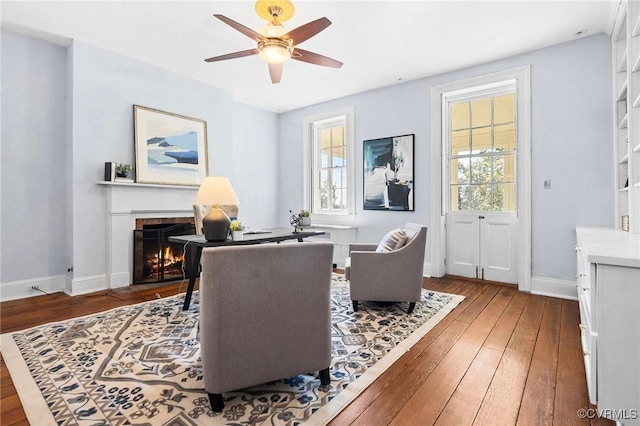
<point>140,364</point>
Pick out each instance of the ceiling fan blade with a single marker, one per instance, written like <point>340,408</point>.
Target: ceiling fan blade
<point>306,31</point>
<point>238,26</point>
<point>314,58</point>
<point>275,71</point>
<point>233,55</point>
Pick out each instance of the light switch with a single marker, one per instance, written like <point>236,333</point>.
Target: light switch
<point>547,184</point>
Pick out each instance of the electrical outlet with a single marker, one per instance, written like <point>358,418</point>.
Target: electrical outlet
<point>547,184</point>
<point>35,287</point>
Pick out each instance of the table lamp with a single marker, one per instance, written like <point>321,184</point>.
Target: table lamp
<point>216,191</point>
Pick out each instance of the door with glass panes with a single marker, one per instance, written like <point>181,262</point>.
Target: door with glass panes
<point>480,183</point>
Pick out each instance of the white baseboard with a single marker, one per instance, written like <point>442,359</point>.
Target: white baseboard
<point>21,289</point>
<point>426,270</point>
<point>555,288</point>
<point>543,286</point>
<point>120,279</point>
<point>87,284</point>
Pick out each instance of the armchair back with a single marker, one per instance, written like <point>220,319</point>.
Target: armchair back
<point>264,313</point>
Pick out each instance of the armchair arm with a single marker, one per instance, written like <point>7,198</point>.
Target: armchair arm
<point>362,247</point>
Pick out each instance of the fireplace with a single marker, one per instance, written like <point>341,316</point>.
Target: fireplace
<point>155,258</point>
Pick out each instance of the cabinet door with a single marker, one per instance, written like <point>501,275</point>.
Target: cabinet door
<point>619,342</point>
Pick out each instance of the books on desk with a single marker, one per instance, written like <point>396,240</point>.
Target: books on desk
<point>256,231</point>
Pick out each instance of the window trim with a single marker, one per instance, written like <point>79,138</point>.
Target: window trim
<point>309,157</point>
<point>522,74</point>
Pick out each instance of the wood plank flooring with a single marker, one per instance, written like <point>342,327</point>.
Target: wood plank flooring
<point>502,357</point>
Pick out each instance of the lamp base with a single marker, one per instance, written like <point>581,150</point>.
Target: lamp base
<point>215,225</point>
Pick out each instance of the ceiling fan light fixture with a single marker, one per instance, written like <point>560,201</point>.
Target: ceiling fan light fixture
<point>272,31</point>
<point>275,44</point>
<point>274,50</point>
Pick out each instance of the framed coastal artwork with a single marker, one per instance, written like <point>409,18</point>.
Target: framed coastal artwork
<point>388,173</point>
<point>170,149</point>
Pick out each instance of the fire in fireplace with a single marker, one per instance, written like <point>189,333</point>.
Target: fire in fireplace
<point>155,258</point>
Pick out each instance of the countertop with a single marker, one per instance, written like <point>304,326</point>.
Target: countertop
<point>609,246</point>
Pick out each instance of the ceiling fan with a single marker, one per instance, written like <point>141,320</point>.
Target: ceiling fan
<point>276,45</point>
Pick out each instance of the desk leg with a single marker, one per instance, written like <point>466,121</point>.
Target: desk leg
<point>195,267</point>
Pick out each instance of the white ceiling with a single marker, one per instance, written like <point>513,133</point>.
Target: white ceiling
<point>380,42</point>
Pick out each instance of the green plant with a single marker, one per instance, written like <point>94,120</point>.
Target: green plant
<point>236,225</point>
<point>304,213</point>
<point>122,169</point>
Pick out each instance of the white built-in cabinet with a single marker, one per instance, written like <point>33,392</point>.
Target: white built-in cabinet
<point>341,236</point>
<point>625,40</point>
<point>608,266</point>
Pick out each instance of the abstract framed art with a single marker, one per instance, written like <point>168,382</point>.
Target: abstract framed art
<point>171,149</point>
<point>388,173</point>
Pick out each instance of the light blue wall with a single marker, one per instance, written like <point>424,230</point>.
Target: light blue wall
<point>105,85</point>
<point>262,152</point>
<point>71,110</point>
<point>34,166</point>
<point>571,145</point>
<point>255,163</point>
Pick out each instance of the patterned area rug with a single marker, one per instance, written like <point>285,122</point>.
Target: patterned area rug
<point>140,364</point>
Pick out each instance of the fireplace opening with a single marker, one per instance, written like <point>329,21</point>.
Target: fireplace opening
<point>155,258</point>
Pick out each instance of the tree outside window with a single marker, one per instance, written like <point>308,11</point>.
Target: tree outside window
<point>483,155</point>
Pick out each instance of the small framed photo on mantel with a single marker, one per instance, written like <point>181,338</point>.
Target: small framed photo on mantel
<point>171,149</point>
<point>388,173</point>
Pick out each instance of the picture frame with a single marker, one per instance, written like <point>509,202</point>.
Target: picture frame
<point>388,170</point>
<point>171,149</point>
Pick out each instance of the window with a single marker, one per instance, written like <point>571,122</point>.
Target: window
<point>482,152</point>
<point>329,155</point>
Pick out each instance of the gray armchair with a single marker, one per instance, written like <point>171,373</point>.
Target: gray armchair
<point>394,276</point>
<point>264,314</point>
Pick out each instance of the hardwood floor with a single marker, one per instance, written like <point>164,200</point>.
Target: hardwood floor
<point>500,358</point>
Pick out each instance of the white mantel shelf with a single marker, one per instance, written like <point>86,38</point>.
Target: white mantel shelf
<point>145,185</point>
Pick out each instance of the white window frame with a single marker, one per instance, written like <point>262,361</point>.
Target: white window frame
<point>522,75</point>
<point>310,153</point>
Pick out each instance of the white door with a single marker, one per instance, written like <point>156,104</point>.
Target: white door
<point>482,246</point>
<point>463,245</point>
<point>498,248</point>
<point>480,181</point>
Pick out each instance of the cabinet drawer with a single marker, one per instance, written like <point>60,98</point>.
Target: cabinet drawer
<point>588,340</point>
<point>585,312</point>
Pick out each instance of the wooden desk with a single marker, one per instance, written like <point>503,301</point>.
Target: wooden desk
<point>199,242</point>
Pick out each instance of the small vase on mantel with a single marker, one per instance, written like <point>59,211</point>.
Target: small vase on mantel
<point>237,235</point>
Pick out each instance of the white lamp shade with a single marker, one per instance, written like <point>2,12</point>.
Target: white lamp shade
<point>216,190</point>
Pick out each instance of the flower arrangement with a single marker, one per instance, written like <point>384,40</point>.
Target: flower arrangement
<point>122,170</point>
<point>236,225</point>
